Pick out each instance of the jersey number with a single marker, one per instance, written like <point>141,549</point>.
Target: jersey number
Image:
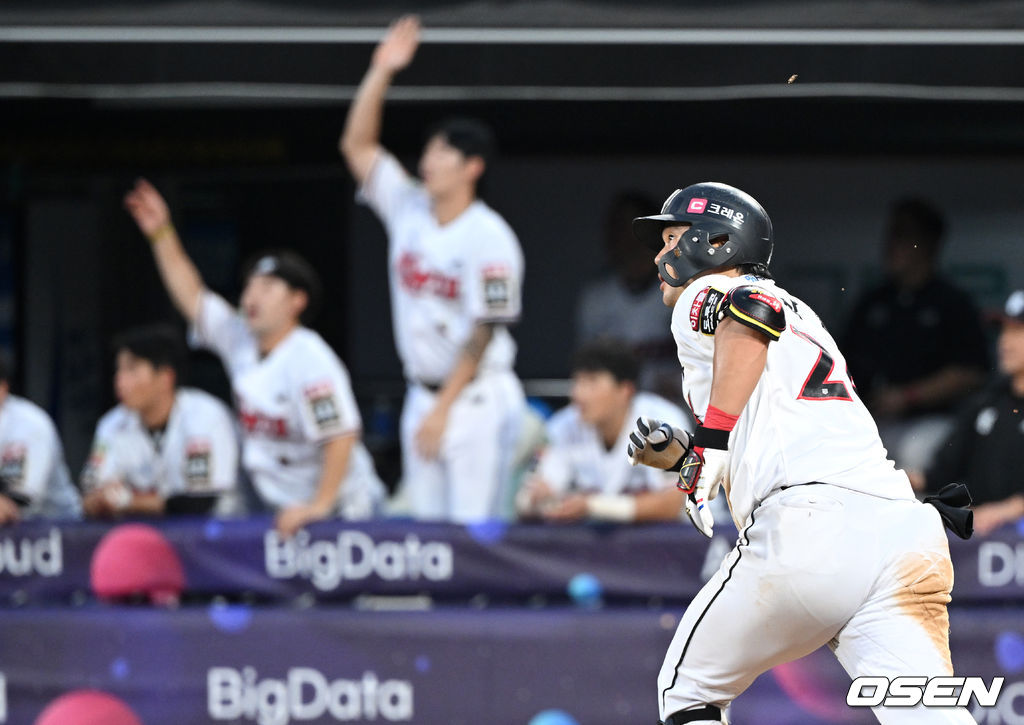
<point>817,386</point>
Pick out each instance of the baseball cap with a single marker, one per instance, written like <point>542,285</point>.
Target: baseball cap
<point>1014,308</point>
<point>295,271</point>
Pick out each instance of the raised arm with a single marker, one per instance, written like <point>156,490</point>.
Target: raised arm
<point>179,274</point>
<point>360,141</point>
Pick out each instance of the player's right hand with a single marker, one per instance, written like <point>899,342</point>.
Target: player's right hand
<point>700,477</point>
<point>398,47</point>
<point>657,445</point>
<point>700,513</point>
<point>147,207</point>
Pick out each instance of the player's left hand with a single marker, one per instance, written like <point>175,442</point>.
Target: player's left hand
<point>657,444</point>
<point>428,437</point>
<point>293,518</point>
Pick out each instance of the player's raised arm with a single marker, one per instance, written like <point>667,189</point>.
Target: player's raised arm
<point>361,138</point>
<point>179,274</point>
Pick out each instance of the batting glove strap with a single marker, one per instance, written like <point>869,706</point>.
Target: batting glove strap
<point>711,438</point>
<point>690,470</point>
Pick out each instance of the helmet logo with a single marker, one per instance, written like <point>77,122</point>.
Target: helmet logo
<point>697,206</point>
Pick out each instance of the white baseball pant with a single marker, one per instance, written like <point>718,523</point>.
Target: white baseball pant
<point>819,564</point>
<point>465,483</point>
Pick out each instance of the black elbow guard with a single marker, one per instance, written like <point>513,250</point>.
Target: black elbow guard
<point>754,307</point>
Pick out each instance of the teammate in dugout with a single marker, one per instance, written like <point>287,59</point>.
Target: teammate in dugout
<point>456,271</point>
<point>164,449</point>
<point>833,547</point>
<point>34,479</point>
<point>301,429</point>
<point>581,473</point>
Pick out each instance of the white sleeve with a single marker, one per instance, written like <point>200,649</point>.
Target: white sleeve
<point>387,187</point>
<point>219,327</point>
<point>493,280</point>
<point>327,405</point>
<point>101,465</point>
<point>29,461</point>
<point>223,449</point>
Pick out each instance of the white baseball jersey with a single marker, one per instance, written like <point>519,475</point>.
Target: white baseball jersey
<point>32,461</point>
<point>804,421</point>
<point>576,457</point>
<point>195,453</point>
<point>289,403</point>
<point>444,278</point>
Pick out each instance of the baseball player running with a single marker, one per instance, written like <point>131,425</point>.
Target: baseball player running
<point>455,271</point>
<point>833,548</point>
<point>300,425</point>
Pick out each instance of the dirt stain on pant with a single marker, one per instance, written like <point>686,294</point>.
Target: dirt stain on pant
<point>927,580</point>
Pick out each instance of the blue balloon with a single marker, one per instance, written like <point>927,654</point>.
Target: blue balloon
<point>230,618</point>
<point>213,530</point>
<point>489,531</point>
<point>1009,651</point>
<point>553,717</point>
<point>120,669</point>
<point>585,589</point>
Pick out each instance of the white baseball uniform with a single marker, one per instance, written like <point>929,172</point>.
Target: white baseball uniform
<point>576,457</point>
<point>851,560</point>
<point>445,280</point>
<point>289,403</point>
<point>32,462</point>
<point>196,453</point>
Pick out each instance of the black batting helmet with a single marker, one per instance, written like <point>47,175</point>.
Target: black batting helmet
<point>717,213</point>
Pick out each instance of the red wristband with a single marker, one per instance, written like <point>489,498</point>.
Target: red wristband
<point>718,419</point>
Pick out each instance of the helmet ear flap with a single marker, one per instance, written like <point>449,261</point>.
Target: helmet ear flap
<point>700,248</point>
<point>674,268</point>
